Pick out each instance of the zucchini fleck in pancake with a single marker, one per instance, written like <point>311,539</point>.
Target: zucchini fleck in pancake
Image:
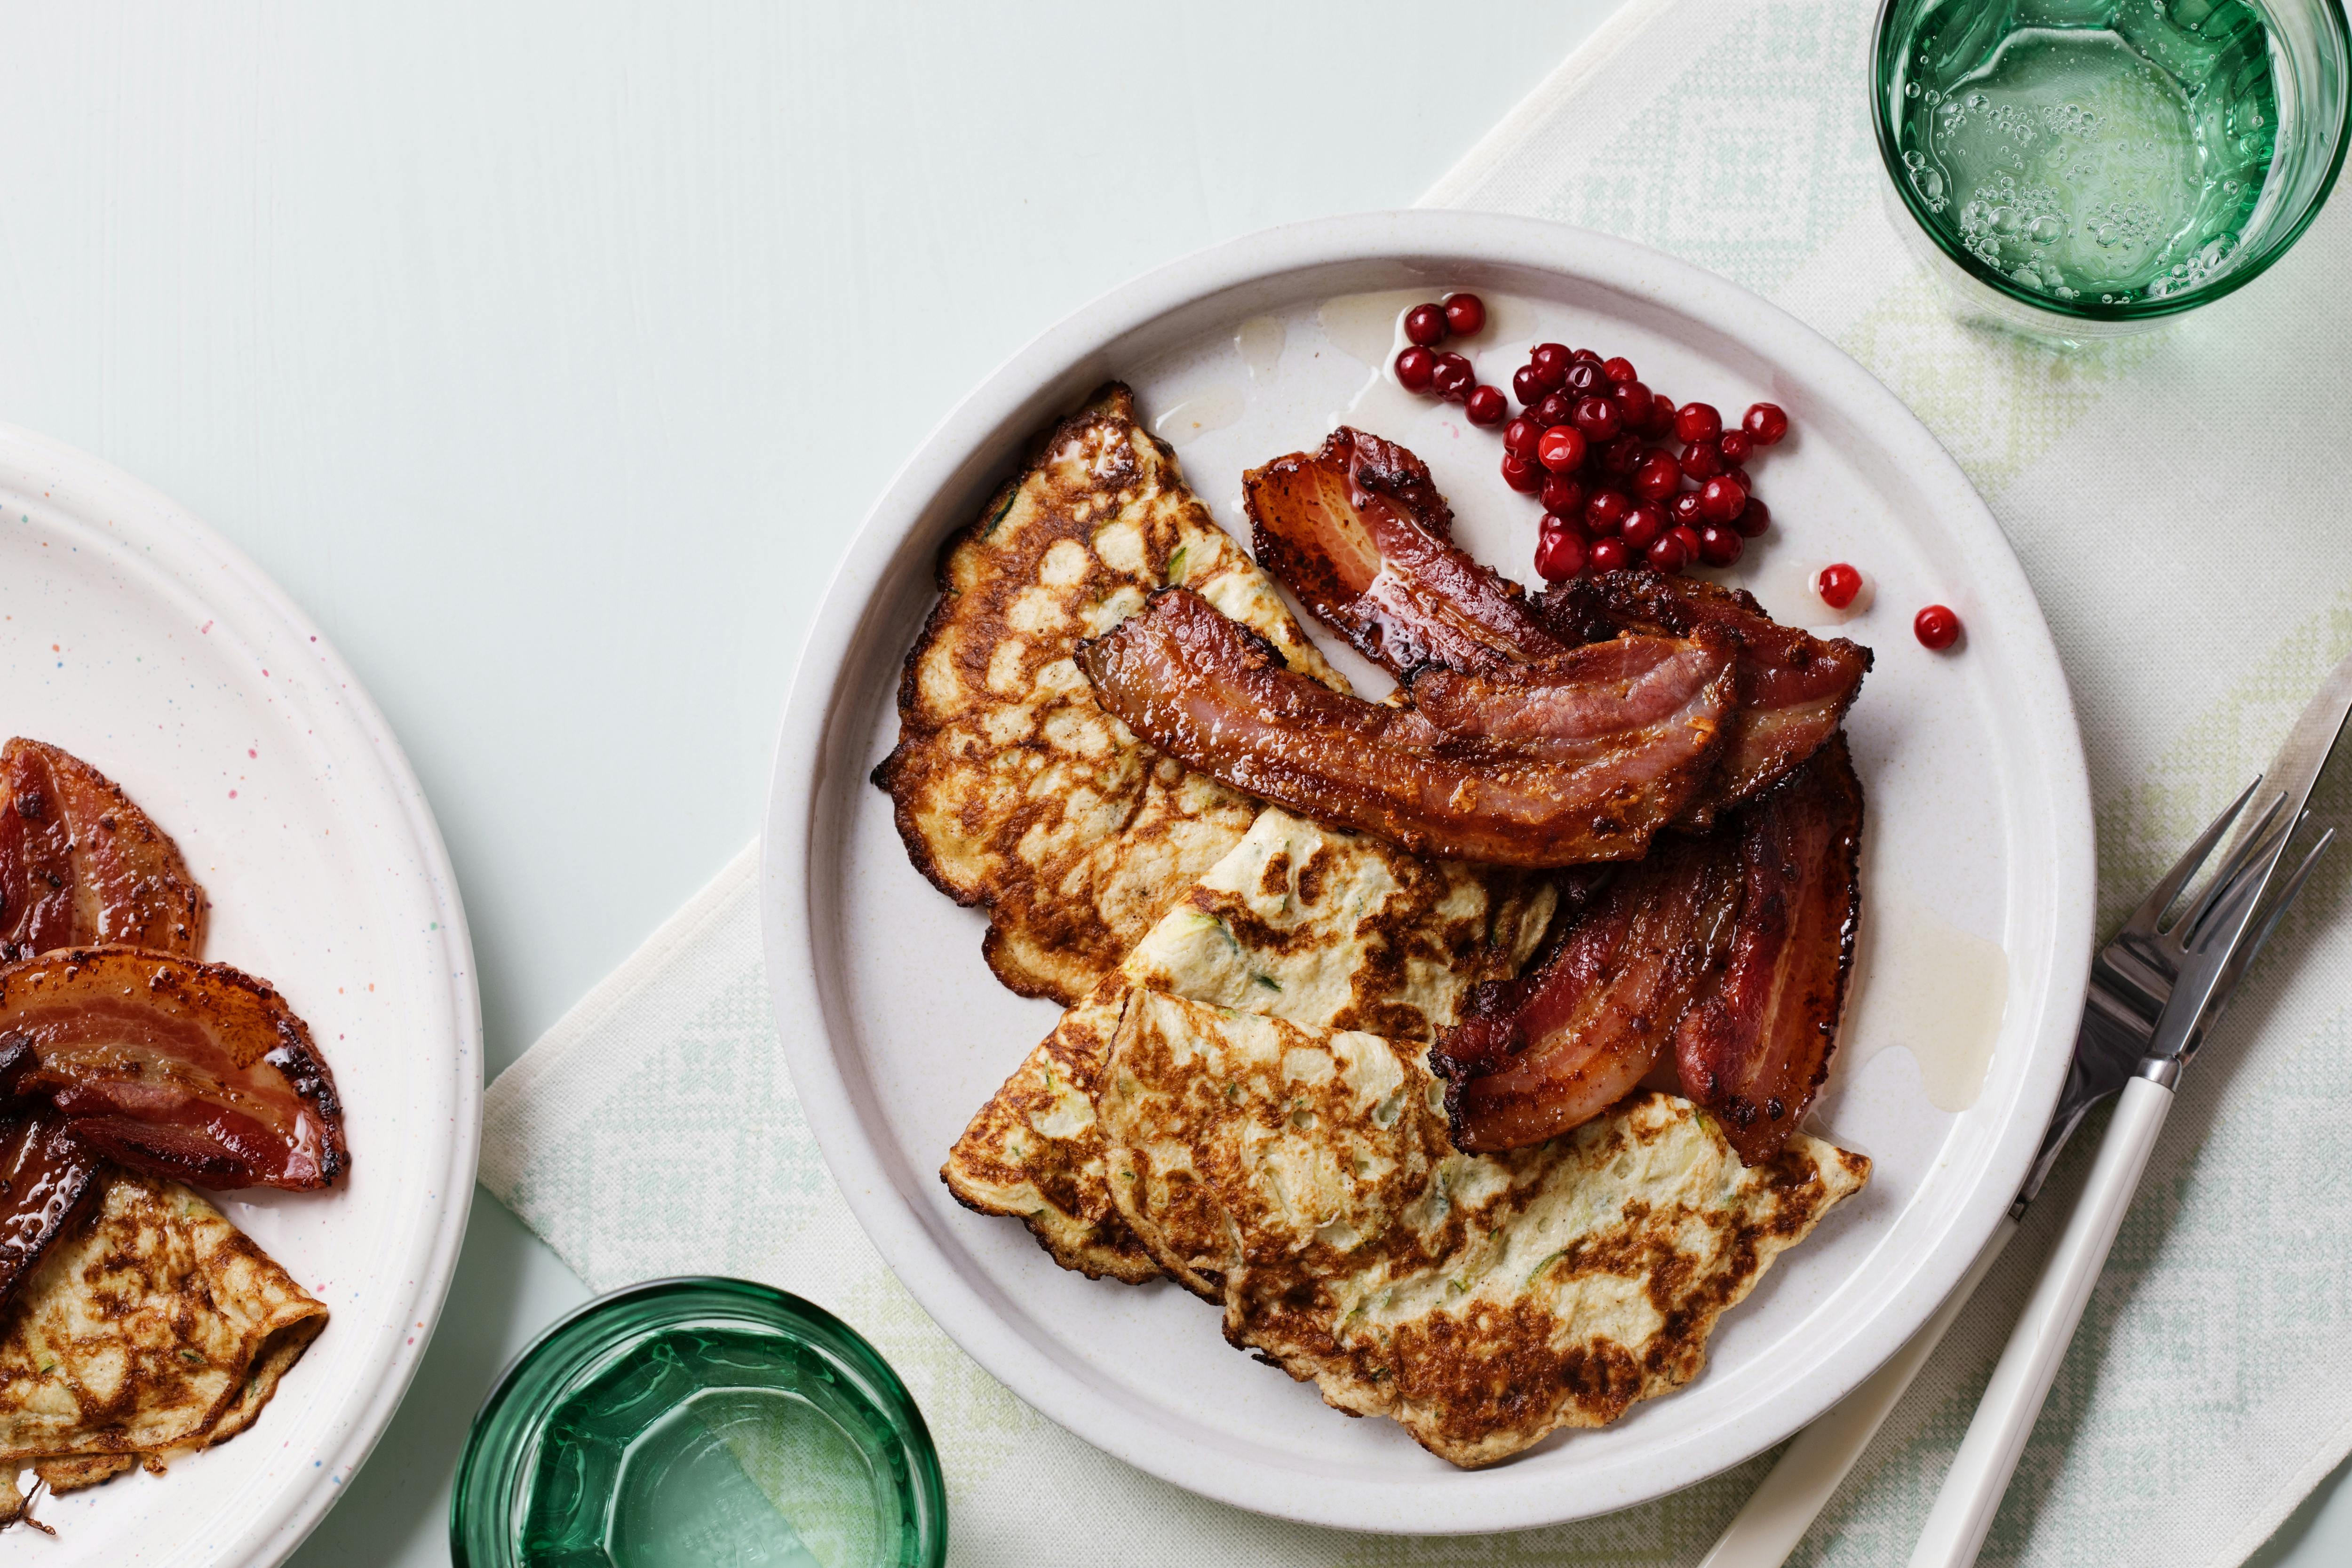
<point>159,1330</point>
<point>1311,925</point>
<point>1014,791</point>
<point>1302,1178</point>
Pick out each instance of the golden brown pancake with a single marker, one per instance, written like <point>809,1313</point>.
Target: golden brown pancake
<point>1304,1179</point>
<point>159,1330</point>
<point>1298,922</point>
<point>1014,791</point>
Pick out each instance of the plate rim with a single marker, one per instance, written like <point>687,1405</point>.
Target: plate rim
<point>215,573</point>
<point>1060,357</point>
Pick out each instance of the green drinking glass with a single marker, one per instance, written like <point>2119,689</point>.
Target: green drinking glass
<point>686,1423</point>
<point>2090,168</point>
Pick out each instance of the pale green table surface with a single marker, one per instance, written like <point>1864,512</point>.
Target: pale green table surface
<point>546,353</point>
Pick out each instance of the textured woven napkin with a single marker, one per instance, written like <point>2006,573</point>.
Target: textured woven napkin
<point>2180,503</point>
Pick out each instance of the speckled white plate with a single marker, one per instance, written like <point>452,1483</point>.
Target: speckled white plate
<point>1979,836</point>
<point>135,637</point>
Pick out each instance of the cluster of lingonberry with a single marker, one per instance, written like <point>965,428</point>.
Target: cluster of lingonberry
<point>1582,447</point>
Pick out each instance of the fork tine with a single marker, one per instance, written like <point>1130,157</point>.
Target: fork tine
<point>2239,961</point>
<point>2237,884</point>
<point>2144,919</point>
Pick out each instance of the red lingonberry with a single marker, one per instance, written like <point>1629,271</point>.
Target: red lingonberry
<point>1657,421</point>
<point>1936,627</point>
<point>1550,363</point>
<point>1633,400</point>
<point>1563,494</point>
<point>1466,314</point>
<point>1839,584</point>
<point>1701,460</point>
<point>1585,380</point>
<point>1719,546</point>
<point>1620,457</point>
<point>1620,370</point>
<point>1559,555</point>
<point>1755,519</point>
<point>1684,510</point>
<point>1697,422</point>
<point>1658,475</point>
<point>1452,376</point>
<point>1587,355</point>
<point>1766,422</point>
<point>1413,368</point>
<point>1598,419</point>
<point>1425,325</point>
<point>1666,553</point>
<point>1524,475</point>
<point>1520,436</point>
<point>1607,555</point>
<point>1484,405</point>
<point>1722,499</point>
<point>1527,386</point>
<point>1644,524</point>
<point>1556,409</point>
<point>1605,511</point>
<point>1734,446</point>
<point>1561,450</point>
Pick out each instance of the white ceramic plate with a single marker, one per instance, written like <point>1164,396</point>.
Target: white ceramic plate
<point>1979,824</point>
<point>139,640</point>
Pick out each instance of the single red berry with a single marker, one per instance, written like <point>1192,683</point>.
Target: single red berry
<point>1701,460</point>
<point>1734,446</point>
<point>1619,370</point>
<point>1719,546</point>
<point>1585,380</point>
<point>1425,325</point>
<point>1755,519</point>
<point>1936,627</point>
<point>1767,423</point>
<point>1563,494</point>
<point>1550,362</point>
<point>1598,419</point>
<point>1620,457</point>
<point>1556,409</point>
<point>1524,475</point>
<point>1645,525</point>
<point>1607,555</point>
<point>1527,384</point>
<point>1559,555</point>
<point>1557,522</point>
<point>1658,475</point>
<point>1685,510</point>
<point>1657,421</point>
<point>1413,368</point>
<point>1633,400</point>
<point>1605,511</point>
<point>1485,406</point>
<point>1721,499</point>
<point>1452,376</point>
<point>1520,436</point>
<point>1561,450</point>
<point>1465,313</point>
<point>1666,553</point>
<point>1697,422</point>
<point>1587,355</point>
<point>1838,586</point>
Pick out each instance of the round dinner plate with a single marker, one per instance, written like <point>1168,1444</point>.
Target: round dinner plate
<point>1978,849</point>
<point>138,640</point>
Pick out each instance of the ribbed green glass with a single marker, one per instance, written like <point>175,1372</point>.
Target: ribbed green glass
<point>689,1422</point>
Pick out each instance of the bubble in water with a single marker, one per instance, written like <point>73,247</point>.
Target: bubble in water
<point>2063,292</point>
<point>1910,89</point>
<point>2006,221</point>
<point>2048,229</point>
<point>1914,159</point>
<point>1978,100</point>
<point>1930,183</point>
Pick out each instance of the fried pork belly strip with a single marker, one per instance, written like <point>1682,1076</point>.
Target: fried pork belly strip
<point>1726,957</point>
<point>192,1071</point>
<point>80,865</point>
<point>1794,688</point>
<point>48,1179</point>
<point>1198,687</point>
<point>1756,1049</point>
<point>1360,534</point>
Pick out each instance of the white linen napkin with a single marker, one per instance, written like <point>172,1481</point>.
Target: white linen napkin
<point>2179,502</point>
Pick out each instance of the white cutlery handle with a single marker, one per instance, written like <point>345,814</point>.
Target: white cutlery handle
<point>1786,1504</point>
<point>1979,1476</point>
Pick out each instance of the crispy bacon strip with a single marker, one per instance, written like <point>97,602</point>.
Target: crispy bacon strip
<point>80,865</point>
<point>47,1180</point>
<point>1537,1056</point>
<point>192,1071</point>
<point>1203,688</point>
<point>1794,688</point>
<point>1360,534</point>
<point>1757,1048</point>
